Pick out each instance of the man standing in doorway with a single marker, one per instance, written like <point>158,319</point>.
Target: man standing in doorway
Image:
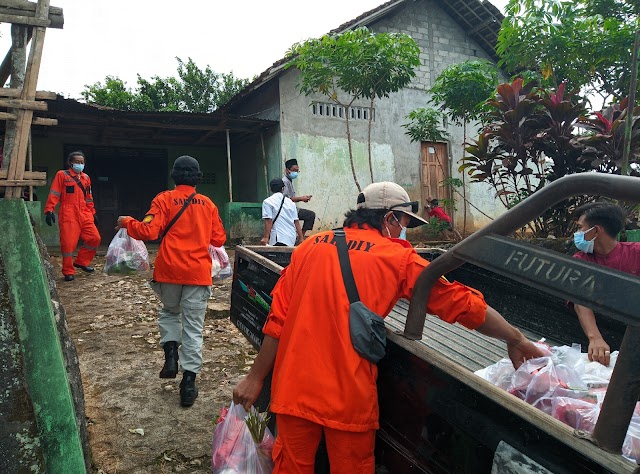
<point>292,170</point>
<point>72,189</point>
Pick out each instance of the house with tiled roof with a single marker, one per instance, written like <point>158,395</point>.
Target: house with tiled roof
<point>312,129</point>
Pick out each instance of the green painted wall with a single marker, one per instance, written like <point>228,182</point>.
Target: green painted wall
<point>44,365</point>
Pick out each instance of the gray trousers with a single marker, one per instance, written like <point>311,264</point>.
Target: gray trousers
<point>182,319</point>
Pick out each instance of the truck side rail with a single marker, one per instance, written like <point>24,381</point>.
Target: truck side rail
<point>585,283</point>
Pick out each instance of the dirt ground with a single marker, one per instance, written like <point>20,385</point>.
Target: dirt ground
<point>135,421</point>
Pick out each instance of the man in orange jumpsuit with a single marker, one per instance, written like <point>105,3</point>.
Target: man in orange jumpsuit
<point>320,383</point>
<point>182,269</point>
<point>72,188</point>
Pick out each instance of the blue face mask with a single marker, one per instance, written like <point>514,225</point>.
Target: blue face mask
<point>293,174</point>
<point>403,232</point>
<point>583,245</point>
<point>77,167</point>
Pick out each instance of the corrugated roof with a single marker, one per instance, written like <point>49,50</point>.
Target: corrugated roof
<point>481,20</point>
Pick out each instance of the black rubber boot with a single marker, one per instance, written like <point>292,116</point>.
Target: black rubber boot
<point>170,369</point>
<point>188,389</point>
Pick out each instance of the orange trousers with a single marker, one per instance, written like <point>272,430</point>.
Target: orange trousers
<point>294,450</point>
<point>73,228</point>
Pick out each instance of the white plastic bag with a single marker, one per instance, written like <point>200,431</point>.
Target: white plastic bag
<point>234,451</point>
<point>220,264</point>
<point>126,255</point>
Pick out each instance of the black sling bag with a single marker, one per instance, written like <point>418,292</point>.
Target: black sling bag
<point>367,329</point>
<point>75,178</point>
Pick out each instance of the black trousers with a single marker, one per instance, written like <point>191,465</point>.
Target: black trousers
<point>309,218</point>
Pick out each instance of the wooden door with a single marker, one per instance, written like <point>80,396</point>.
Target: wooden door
<point>435,170</point>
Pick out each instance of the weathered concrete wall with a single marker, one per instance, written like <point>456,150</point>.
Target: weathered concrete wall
<point>20,449</point>
<point>320,145</point>
<point>43,404</point>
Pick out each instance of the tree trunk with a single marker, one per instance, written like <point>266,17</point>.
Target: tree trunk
<point>628,128</point>
<point>369,137</point>
<point>464,184</point>
<point>347,110</point>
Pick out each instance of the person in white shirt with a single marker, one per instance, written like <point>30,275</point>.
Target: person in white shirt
<point>280,215</point>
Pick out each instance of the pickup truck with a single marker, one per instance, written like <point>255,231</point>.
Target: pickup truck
<point>436,415</point>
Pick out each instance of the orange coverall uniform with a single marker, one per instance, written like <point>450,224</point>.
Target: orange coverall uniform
<point>183,257</point>
<point>75,218</point>
<point>320,383</point>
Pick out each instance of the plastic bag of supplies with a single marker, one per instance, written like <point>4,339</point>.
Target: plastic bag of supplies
<point>234,450</point>
<point>126,255</point>
<point>220,264</point>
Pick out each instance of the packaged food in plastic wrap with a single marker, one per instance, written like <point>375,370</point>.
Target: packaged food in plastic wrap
<point>234,451</point>
<point>126,255</point>
<point>220,264</point>
<point>499,374</point>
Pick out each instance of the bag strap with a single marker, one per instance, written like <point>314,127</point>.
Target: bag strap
<point>175,218</point>
<point>75,178</point>
<point>281,204</point>
<point>345,266</point>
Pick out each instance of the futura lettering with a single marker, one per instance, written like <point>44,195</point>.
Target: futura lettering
<point>553,272</point>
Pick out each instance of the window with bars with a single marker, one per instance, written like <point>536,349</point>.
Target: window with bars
<point>324,109</point>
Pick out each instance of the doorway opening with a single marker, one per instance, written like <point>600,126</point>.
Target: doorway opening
<point>124,181</point>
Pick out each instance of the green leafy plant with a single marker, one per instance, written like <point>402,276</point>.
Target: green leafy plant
<point>353,65</point>
<point>193,90</point>
<point>425,125</point>
<point>603,146</point>
<point>462,90</point>
<point>583,42</point>
<point>257,423</point>
<point>528,143</point>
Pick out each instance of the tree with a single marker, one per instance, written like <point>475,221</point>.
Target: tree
<point>352,65</point>
<point>462,90</point>
<point>425,125</point>
<point>532,139</point>
<point>586,43</point>
<point>194,90</point>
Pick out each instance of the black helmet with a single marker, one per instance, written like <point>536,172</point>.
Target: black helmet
<point>186,170</point>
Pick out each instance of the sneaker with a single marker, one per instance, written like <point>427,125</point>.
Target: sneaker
<point>69,278</point>
<point>83,268</point>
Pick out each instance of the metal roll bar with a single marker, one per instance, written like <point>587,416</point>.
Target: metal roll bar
<point>585,283</point>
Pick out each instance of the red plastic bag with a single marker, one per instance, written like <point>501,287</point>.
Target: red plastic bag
<point>234,451</point>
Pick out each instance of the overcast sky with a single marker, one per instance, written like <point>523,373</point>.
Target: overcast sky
<point>126,37</point>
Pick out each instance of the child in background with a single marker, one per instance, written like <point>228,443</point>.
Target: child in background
<point>433,209</point>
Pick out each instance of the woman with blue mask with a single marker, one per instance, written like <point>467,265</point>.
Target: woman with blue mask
<point>599,224</point>
<point>72,189</point>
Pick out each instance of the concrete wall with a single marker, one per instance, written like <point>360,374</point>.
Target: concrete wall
<point>320,145</point>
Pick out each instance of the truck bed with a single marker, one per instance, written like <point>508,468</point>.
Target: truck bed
<point>427,388</point>
<point>470,349</point>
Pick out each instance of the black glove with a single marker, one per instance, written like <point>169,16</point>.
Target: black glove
<point>95,219</point>
<point>50,217</point>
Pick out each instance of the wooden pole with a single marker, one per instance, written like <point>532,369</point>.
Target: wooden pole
<point>19,152</point>
<point>30,168</point>
<point>229,166</point>
<point>264,164</point>
<point>628,127</point>
<point>16,65</point>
